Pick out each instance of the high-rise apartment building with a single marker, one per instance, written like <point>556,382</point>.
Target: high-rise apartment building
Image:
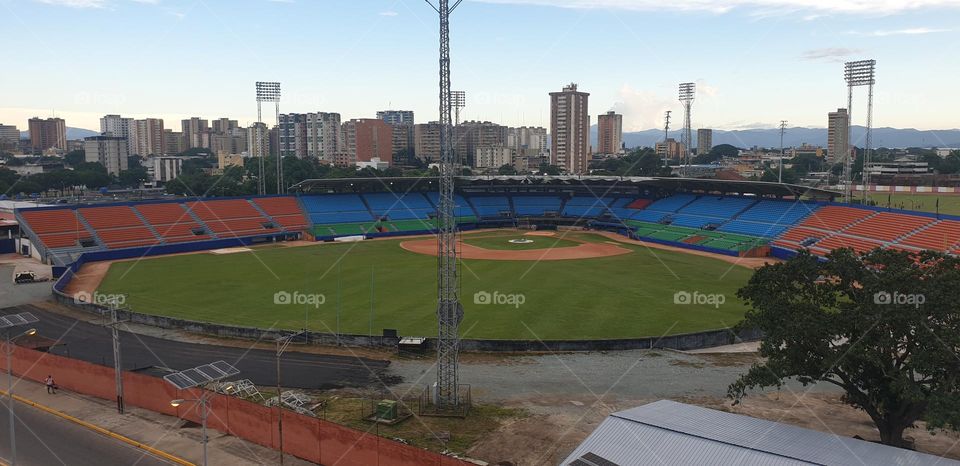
<point>224,125</point>
<point>9,134</point>
<point>493,156</point>
<point>838,135</point>
<point>426,141</point>
<point>470,135</point>
<point>403,144</point>
<point>119,127</point>
<point>233,141</point>
<point>148,137</point>
<point>704,140</point>
<point>173,142</point>
<point>50,133</point>
<point>258,140</point>
<point>672,149</point>
<point>570,129</point>
<point>292,135</point>
<point>109,151</point>
<point>193,133</point>
<point>322,132</point>
<point>368,138</point>
<point>396,117</point>
<point>609,133</point>
<point>527,139</point>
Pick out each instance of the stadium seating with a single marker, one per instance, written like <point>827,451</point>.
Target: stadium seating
<point>835,218</point>
<point>57,228</point>
<point>860,245</point>
<point>336,209</point>
<point>462,209</point>
<point>888,226</point>
<point>118,227</point>
<point>943,235</point>
<point>490,206</point>
<point>584,206</point>
<point>662,208</point>
<point>172,222</point>
<point>536,206</point>
<point>284,210</point>
<point>777,212</point>
<point>406,206</point>
<point>232,218</point>
<point>713,239</point>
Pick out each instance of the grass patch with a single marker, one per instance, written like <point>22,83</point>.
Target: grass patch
<point>949,203</point>
<point>374,285</point>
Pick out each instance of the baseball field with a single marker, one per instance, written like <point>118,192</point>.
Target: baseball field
<point>573,285</point>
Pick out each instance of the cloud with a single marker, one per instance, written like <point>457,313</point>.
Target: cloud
<point>722,6</point>
<point>389,13</point>
<point>829,54</point>
<point>76,3</point>
<point>900,32</point>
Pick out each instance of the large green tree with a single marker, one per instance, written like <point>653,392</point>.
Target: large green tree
<point>884,327</point>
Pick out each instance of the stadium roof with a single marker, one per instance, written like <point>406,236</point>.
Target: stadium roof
<point>667,432</point>
<point>636,182</point>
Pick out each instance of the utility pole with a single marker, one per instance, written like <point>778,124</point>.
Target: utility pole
<point>117,357</point>
<point>666,135</point>
<point>783,127</point>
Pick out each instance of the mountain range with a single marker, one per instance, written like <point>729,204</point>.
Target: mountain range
<point>72,133</point>
<point>746,138</point>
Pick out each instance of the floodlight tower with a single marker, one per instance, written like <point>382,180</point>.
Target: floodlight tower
<point>858,73</point>
<point>267,92</point>
<point>687,93</point>
<point>666,136</point>
<point>449,309</point>
<point>458,100</point>
<point>783,127</point>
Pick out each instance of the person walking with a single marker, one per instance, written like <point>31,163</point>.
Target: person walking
<point>51,385</point>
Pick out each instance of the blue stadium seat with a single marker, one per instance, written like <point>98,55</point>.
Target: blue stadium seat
<point>336,208</point>
<point>778,212</point>
<point>409,206</point>
<point>765,230</point>
<point>535,205</point>
<point>490,206</point>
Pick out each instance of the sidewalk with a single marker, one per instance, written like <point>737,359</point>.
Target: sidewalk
<point>156,430</point>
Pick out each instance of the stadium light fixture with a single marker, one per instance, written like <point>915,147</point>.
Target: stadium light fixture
<point>200,376</point>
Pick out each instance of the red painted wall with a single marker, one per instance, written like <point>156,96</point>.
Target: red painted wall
<point>303,436</point>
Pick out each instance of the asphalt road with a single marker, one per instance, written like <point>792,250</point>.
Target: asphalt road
<point>47,440</point>
<point>92,343</point>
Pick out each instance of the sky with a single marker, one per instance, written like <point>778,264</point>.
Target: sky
<point>755,62</point>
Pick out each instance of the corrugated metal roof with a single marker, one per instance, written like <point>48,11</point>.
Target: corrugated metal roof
<point>671,433</point>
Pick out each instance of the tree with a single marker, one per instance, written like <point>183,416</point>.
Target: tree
<point>883,327</point>
<point>75,157</point>
<point>507,169</point>
<point>724,150</point>
<point>133,177</point>
<point>547,169</point>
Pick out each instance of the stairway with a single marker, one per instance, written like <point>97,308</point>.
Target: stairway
<point>148,225</point>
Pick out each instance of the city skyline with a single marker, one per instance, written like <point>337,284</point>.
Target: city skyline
<point>739,86</point>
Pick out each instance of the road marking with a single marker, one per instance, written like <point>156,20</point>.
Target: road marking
<point>100,430</point>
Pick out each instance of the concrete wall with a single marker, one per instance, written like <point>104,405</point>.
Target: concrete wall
<point>305,437</point>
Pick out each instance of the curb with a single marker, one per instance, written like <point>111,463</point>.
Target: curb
<point>100,430</point>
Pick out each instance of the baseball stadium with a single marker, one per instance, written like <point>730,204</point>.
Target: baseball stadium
<point>543,258</point>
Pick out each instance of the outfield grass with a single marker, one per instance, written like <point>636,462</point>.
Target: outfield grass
<point>949,203</point>
<point>630,295</point>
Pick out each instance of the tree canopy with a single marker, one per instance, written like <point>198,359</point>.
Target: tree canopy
<point>883,327</point>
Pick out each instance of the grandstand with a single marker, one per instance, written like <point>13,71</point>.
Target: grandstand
<point>729,224</point>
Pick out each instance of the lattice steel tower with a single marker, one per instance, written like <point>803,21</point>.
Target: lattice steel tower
<point>449,309</point>
<point>687,93</point>
<point>858,73</point>
<point>666,139</point>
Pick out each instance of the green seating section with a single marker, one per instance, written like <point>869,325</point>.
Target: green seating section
<point>342,229</point>
<point>411,225</point>
<point>713,239</point>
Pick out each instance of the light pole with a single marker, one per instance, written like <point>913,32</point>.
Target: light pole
<point>783,127</point>
<point>282,344</point>
<point>7,324</point>
<point>200,376</point>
